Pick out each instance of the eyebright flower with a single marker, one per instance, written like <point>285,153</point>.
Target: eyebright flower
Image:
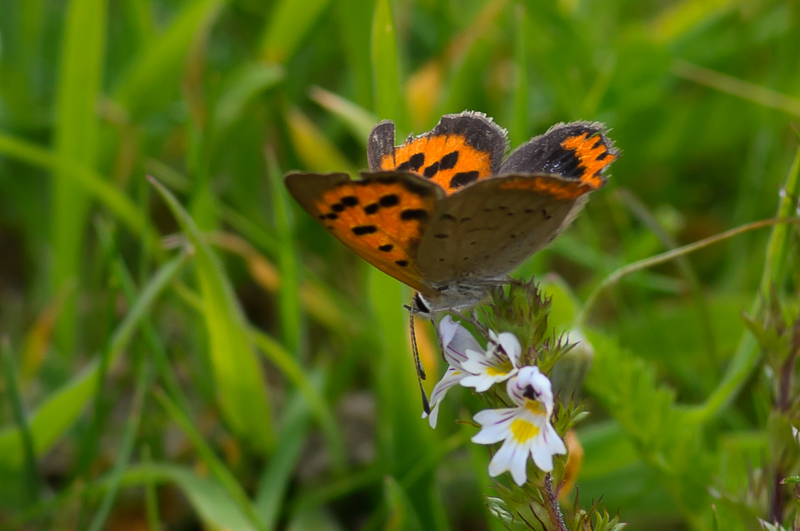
<point>470,365</point>
<point>525,429</point>
<point>497,364</point>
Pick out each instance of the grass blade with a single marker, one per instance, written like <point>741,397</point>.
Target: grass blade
<point>10,373</point>
<point>126,446</point>
<point>217,467</point>
<point>747,353</point>
<point>385,68</point>
<point>290,314</point>
<point>60,410</point>
<point>274,482</point>
<point>76,131</point>
<point>519,118</point>
<point>107,194</point>
<point>238,377</point>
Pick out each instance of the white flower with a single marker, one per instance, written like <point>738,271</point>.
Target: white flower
<point>525,429</point>
<point>456,342</point>
<point>497,364</point>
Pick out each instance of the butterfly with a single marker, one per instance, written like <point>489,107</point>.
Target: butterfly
<point>445,214</point>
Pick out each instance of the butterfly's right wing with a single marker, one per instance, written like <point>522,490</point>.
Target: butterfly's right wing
<point>488,229</point>
<point>381,216</point>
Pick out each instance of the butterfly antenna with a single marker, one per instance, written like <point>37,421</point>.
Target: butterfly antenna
<point>417,362</point>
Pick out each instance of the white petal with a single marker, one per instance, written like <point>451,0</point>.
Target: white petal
<point>502,459</point>
<point>545,446</point>
<point>475,362</point>
<point>456,340</point>
<point>447,330</point>
<point>480,383</point>
<point>511,346</point>
<point>553,441</point>
<point>494,425</point>
<point>450,378</point>
<point>519,464</point>
<point>434,416</point>
<point>543,458</point>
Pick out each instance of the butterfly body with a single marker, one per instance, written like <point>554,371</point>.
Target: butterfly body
<point>445,215</point>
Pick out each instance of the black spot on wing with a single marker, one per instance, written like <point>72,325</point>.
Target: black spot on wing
<point>371,208</point>
<point>431,170</point>
<point>401,263</point>
<point>463,178</point>
<point>349,201</point>
<point>416,161</point>
<point>386,247</point>
<point>362,230</point>
<point>414,213</point>
<point>338,207</point>
<point>449,161</point>
<point>389,200</point>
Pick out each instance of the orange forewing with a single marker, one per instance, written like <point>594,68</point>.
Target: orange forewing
<point>441,158</point>
<point>593,156</point>
<point>380,217</point>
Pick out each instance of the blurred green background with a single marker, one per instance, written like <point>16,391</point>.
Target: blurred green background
<point>200,353</point>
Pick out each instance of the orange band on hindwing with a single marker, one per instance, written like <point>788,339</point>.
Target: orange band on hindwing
<point>593,156</point>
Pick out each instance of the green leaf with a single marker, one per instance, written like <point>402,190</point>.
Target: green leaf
<point>314,150</point>
<point>289,24</point>
<point>104,192</point>
<point>208,497</point>
<point>357,119</point>
<point>404,439</point>
<point>59,411</point>
<point>274,481</point>
<point>401,515</point>
<point>237,373</point>
<point>217,467</point>
<point>158,67</point>
<point>247,82</point>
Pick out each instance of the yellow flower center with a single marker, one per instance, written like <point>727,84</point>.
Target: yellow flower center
<point>501,370</point>
<point>523,431</point>
<point>535,407</point>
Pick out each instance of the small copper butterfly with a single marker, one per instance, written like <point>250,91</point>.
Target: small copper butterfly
<point>444,214</point>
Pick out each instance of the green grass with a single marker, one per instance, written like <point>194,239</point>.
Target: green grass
<point>196,351</point>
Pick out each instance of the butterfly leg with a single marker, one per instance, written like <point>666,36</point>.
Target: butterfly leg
<point>414,309</point>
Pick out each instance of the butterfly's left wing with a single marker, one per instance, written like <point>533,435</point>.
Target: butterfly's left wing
<point>462,149</point>
<point>381,216</point>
